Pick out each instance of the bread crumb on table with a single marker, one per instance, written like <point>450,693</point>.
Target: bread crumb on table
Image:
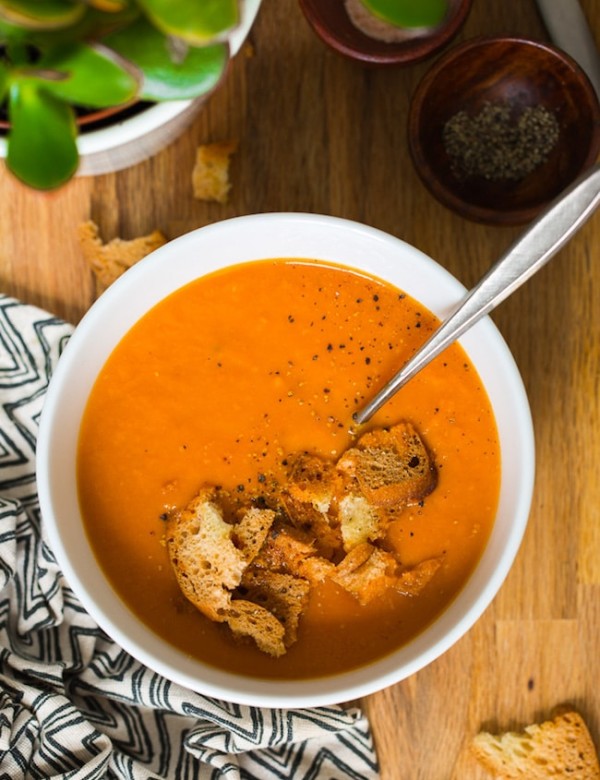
<point>110,260</point>
<point>210,175</point>
<point>557,748</point>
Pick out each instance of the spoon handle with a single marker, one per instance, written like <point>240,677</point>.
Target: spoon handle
<point>550,231</point>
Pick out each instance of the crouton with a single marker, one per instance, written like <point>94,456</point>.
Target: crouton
<point>210,175</point>
<point>250,532</point>
<point>366,572</point>
<point>360,521</point>
<point>246,619</point>
<point>308,498</point>
<point>284,549</point>
<point>391,466</point>
<point>208,554</point>
<point>311,481</point>
<point>288,551</point>
<point>412,581</point>
<point>284,595</point>
<point>561,747</point>
<point>111,260</point>
<point>316,569</point>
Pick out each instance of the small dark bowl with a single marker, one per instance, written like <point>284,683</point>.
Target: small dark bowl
<point>331,23</point>
<point>520,74</point>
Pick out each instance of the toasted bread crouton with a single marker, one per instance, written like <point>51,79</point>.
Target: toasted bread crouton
<point>561,747</point>
<point>250,532</point>
<point>111,260</point>
<point>366,572</point>
<point>360,521</point>
<point>308,497</point>
<point>412,581</point>
<point>246,619</point>
<point>316,569</point>
<point>391,466</point>
<point>209,555</point>
<point>210,175</point>
<point>284,550</point>
<point>284,595</point>
<point>311,481</point>
<point>287,550</point>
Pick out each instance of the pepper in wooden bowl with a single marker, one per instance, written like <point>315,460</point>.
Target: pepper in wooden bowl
<point>498,127</point>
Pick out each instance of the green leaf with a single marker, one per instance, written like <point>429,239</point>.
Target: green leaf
<point>11,32</point>
<point>41,14</point>
<point>93,24</point>
<point>3,82</point>
<point>87,76</point>
<point>17,53</point>
<point>408,13</point>
<point>41,150</point>
<point>195,21</point>
<point>167,76</point>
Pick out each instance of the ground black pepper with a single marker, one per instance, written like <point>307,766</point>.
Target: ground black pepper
<point>495,145</point>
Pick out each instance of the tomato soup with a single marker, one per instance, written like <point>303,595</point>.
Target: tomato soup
<point>227,376</point>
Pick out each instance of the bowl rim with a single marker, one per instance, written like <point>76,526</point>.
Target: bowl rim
<point>411,51</point>
<point>427,174</point>
<point>263,236</point>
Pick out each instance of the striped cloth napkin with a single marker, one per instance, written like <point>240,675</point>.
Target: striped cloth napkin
<point>73,704</point>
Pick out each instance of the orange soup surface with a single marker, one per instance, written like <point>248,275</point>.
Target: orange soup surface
<point>221,381</point>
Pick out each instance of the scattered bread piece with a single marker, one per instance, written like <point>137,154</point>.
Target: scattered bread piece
<point>207,559</point>
<point>247,619</point>
<point>210,175</point>
<point>557,748</point>
<point>391,466</point>
<point>111,260</point>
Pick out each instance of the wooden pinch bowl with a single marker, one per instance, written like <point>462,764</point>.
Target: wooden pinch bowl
<point>330,21</point>
<point>518,74</point>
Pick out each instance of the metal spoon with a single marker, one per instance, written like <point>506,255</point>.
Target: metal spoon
<point>547,234</point>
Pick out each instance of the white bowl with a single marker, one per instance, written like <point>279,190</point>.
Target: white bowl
<point>187,258</point>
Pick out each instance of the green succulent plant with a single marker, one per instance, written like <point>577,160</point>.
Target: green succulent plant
<point>59,58</point>
<point>408,13</point>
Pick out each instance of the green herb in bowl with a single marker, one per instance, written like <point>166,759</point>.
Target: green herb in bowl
<point>395,20</point>
<point>408,13</point>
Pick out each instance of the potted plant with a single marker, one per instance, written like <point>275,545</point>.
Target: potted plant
<point>67,62</point>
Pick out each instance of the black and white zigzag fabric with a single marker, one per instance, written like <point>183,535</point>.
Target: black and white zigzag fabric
<point>76,706</point>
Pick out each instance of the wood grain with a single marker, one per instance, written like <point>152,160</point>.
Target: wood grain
<point>321,134</point>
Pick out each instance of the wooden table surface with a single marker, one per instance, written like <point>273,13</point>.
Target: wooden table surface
<point>320,134</point>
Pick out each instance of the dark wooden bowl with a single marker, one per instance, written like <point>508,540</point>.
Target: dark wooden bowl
<point>500,71</point>
<point>331,23</point>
